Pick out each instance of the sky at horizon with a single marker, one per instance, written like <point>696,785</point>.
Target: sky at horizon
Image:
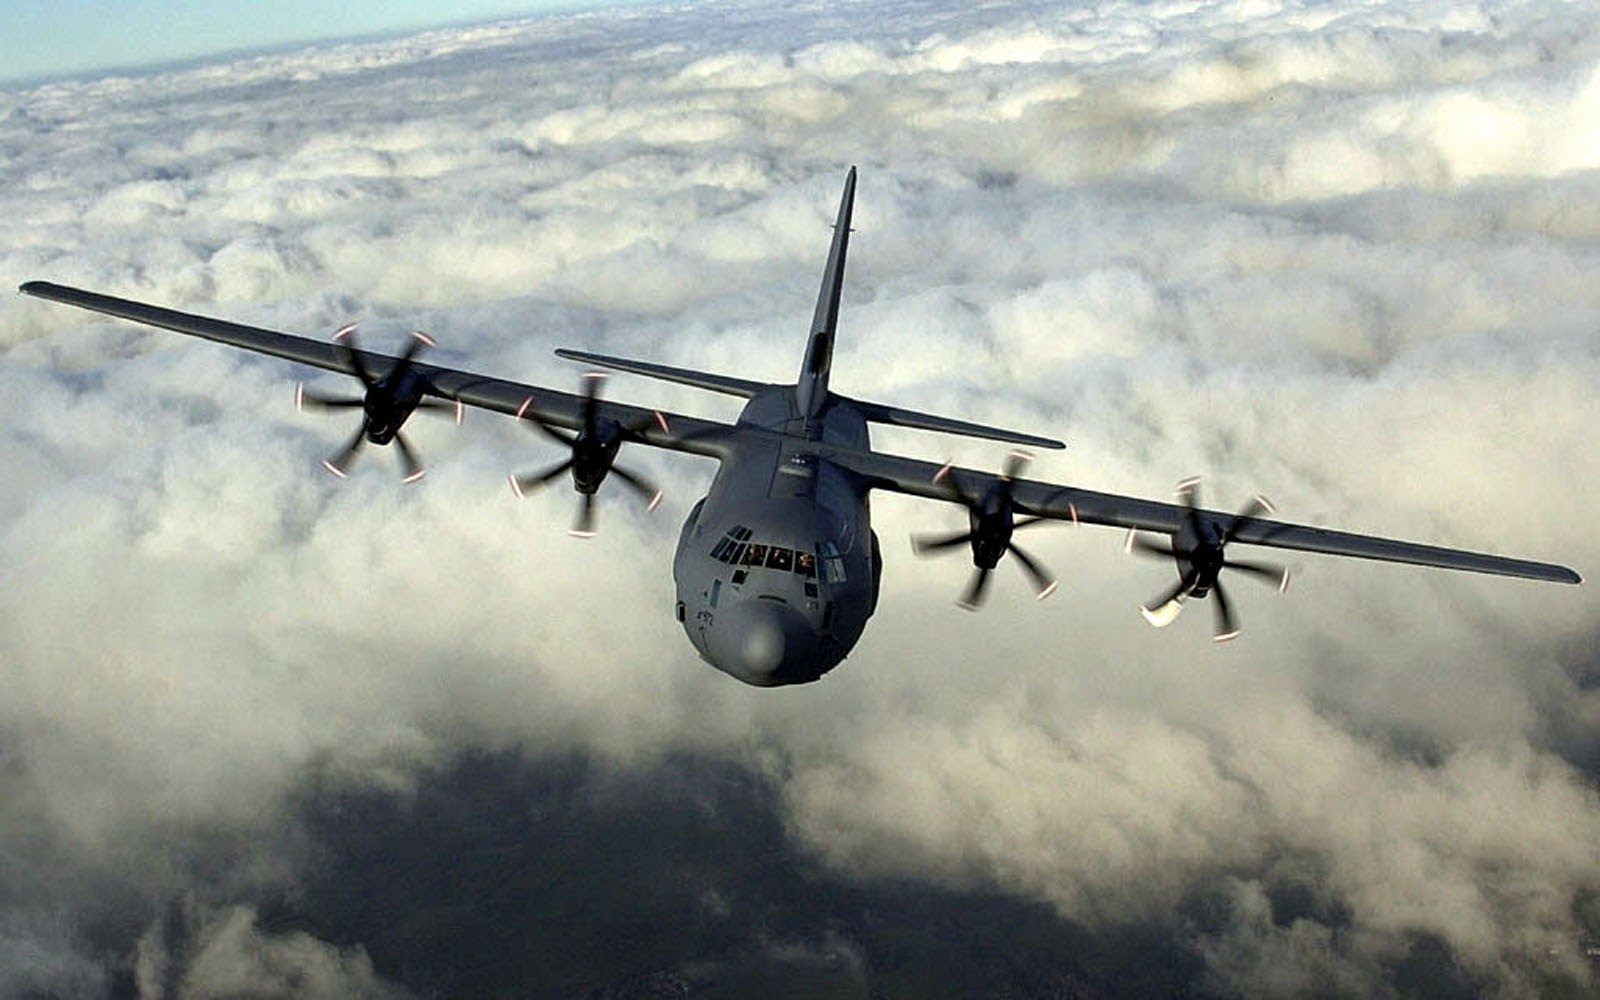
<point>48,39</point>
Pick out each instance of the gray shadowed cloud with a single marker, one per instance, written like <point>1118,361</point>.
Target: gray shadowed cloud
<point>1342,254</point>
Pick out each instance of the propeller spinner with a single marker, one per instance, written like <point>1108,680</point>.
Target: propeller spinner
<point>1198,547</point>
<point>991,519</point>
<point>593,455</point>
<point>386,402</point>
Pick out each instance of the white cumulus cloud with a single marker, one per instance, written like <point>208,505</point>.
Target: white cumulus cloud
<point>1340,253</point>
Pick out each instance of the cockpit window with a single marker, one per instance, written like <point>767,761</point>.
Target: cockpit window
<point>832,563</point>
<point>730,547</point>
<point>735,548</point>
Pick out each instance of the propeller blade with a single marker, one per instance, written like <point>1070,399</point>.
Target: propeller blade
<point>414,469</point>
<point>1164,610</point>
<point>640,485</point>
<point>1269,573</point>
<point>1163,615</point>
<point>1257,506</point>
<point>1158,549</point>
<point>638,427</point>
<point>926,544</point>
<point>585,526</point>
<point>535,424</point>
<point>1188,492</point>
<point>1043,584</point>
<point>309,398</point>
<point>591,398</point>
<point>1014,463</point>
<point>345,340</point>
<point>441,407</point>
<point>522,485</point>
<point>972,600</point>
<point>1226,629</point>
<point>553,433</point>
<point>419,340</point>
<point>339,465</point>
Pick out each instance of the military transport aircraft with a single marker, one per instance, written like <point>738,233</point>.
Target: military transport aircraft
<point>777,567</point>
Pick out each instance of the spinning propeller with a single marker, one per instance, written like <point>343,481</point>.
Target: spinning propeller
<point>593,452</point>
<point>991,519</point>
<point>1198,549</point>
<point>386,402</point>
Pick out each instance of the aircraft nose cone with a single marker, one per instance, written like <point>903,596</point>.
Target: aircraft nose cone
<point>767,643</point>
<point>761,647</point>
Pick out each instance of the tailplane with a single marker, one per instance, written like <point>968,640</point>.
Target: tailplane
<point>725,384</point>
<point>811,388</point>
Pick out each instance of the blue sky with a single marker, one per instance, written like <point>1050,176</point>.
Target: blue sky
<point>58,37</point>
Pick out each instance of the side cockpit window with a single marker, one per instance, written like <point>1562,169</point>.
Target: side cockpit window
<point>832,563</point>
<point>730,547</point>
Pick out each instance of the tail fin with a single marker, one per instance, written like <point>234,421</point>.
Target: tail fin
<point>811,389</point>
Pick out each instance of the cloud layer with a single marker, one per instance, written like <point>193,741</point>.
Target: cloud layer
<point>1339,253</point>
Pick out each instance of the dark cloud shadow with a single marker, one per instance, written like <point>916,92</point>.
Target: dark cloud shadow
<point>508,876</point>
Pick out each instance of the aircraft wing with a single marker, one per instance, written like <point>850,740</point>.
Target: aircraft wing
<point>1068,503</point>
<point>877,469</point>
<point>687,434</point>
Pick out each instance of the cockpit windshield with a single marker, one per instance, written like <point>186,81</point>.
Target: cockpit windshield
<point>737,549</point>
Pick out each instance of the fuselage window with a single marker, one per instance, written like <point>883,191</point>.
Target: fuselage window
<point>805,564</point>
<point>723,550</point>
<point>755,555</point>
<point>780,558</point>
<point>716,591</point>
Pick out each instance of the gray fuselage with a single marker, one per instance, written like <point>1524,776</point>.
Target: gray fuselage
<point>777,567</point>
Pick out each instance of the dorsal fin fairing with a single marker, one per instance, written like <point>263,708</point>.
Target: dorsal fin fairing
<point>811,390</point>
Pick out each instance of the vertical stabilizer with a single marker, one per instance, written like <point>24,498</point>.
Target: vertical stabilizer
<point>811,390</point>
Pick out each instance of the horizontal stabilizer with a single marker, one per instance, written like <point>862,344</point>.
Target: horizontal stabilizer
<point>700,380</point>
<point>893,415</point>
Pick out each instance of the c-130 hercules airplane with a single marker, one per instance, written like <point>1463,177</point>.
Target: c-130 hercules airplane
<point>777,568</point>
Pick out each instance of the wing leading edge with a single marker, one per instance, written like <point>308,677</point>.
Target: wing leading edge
<point>878,470</point>
<point>1066,503</point>
<point>686,434</point>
